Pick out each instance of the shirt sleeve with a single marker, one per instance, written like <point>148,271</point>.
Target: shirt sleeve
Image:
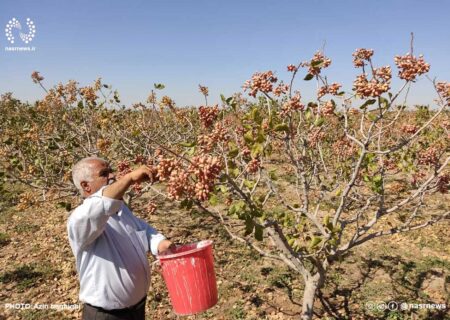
<point>153,236</point>
<point>88,221</point>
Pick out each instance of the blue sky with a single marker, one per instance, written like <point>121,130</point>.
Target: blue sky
<point>220,44</point>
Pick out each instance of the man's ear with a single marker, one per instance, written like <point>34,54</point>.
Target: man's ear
<point>85,186</point>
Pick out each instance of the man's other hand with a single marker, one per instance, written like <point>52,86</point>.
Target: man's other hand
<point>165,245</point>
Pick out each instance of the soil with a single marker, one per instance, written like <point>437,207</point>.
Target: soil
<point>37,267</point>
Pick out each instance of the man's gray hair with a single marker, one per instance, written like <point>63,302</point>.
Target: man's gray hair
<point>82,171</point>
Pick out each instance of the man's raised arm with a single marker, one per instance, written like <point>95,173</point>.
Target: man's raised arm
<point>118,188</point>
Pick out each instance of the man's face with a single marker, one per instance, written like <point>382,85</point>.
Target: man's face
<point>101,176</point>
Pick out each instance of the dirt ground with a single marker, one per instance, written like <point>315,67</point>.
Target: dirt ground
<point>37,267</point>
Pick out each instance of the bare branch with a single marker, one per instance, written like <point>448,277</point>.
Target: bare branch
<point>392,231</point>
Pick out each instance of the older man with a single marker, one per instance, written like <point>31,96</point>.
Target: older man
<point>110,244</point>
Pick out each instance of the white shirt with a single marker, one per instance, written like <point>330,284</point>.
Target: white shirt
<point>111,252</point>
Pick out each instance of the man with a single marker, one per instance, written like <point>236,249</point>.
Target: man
<point>110,243</point>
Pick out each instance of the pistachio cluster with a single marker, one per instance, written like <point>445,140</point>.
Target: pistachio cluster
<point>410,67</point>
<point>261,81</point>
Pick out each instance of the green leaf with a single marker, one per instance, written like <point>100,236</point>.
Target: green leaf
<point>234,172</point>
<point>384,103</point>
<point>248,136</point>
<point>261,138</point>
<point>317,63</point>
<point>312,105</point>
<point>249,184</point>
<point>257,149</point>
<point>327,223</point>
<point>188,144</point>
<point>326,220</point>
<point>191,151</point>
<point>377,178</point>
<point>256,212</point>
<point>272,174</point>
<point>332,242</point>
<point>377,184</point>
<point>233,148</point>
<point>186,204</point>
<point>281,127</point>
<point>236,207</point>
<point>270,121</point>
<point>367,103</point>
<point>213,200</point>
<point>65,205</point>
<point>337,228</point>
<point>308,114</point>
<point>319,121</point>
<point>232,209</point>
<point>255,116</point>
<point>116,96</point>
<point>268,150</point>
<point>233,153</point>
<point>53,146</point>
<point>315,242</point>
<point>259,232</point>
<point>159,86</point>
<point>308,77</point>
<point>249,226</point>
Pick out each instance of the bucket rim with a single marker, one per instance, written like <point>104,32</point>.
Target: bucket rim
<point>207,243</point>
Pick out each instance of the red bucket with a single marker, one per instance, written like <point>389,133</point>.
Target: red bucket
<point>188,272</point>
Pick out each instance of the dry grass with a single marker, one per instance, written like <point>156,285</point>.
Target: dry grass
<point>38,267</point>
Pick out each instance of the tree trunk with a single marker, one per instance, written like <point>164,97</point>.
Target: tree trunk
<point>309,295</point>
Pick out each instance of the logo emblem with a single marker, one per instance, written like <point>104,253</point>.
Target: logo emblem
<point>15,24</point>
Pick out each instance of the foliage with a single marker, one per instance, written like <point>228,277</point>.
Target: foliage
<point>359,164</point>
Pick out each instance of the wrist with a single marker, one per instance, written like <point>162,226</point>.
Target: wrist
<point>118,188</point>
<point>128,179</point>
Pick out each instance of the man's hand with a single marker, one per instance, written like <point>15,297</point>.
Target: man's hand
<point>118,188</point>
<point>165,245</point>
<point>143,173</point>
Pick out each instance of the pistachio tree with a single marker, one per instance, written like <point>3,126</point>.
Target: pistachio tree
<point>314,178</point>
